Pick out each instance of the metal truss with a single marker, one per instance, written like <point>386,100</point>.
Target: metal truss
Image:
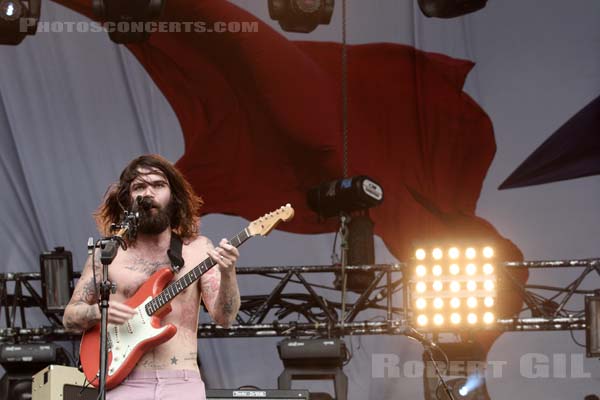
<point>298,307</point>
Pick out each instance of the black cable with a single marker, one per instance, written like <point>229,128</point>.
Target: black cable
<point>334,257</point>
<point>575,340</point>
<point>349,353</point>
<point>441,380</point>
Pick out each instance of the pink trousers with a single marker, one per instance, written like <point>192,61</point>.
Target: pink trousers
<point>160,385</point>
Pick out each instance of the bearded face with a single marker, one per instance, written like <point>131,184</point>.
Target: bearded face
<point>155,219</point>
<point>156,206</point>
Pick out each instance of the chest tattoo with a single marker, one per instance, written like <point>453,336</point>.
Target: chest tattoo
<point>147,267</point>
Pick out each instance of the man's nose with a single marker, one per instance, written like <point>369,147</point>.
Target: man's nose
<point>148,192</point>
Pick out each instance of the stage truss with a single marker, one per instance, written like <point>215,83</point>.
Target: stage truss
<point>301,304</point>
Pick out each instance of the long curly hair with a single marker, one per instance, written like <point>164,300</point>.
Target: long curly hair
<point>184,202</point>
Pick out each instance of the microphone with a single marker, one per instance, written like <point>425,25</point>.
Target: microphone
<point>145,203</point>
<point>418,336</point>
<point>384,292</point>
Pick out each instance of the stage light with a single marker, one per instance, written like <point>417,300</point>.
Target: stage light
<point>18,18</point>
<point>450,8</point>
<point>454,287</point>
<point>129,17</point>
<point>471,269</point>
<point>488,285</point>
<point>454,269</point>
<point>488,317</point>
<point>11,10</point>
<point>488,302</point>
<point>464,369</point>
<point>422,320</point>
<point>340,198</point>
<point>472,302</point>
<point>471,286</point>
<point>488,252</point>
<point>470,253</point>
<point>453,253</point>
<point>472,318</point>
<point>455,318</point>
<point>301,15</point>
<point>488,269</point>
<point>455,302</point>
<point>361,251</point>
<point>592,324</point>
<point>56,270</point>
<point>440,283</point>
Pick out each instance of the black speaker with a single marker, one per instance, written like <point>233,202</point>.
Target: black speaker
<point>74,392</point>
<point>15,386</point>
<point>256,394</point>
<point>321,353</point>
<point>21,361</point>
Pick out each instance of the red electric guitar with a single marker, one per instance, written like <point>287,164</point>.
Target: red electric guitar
<point>127,343</point>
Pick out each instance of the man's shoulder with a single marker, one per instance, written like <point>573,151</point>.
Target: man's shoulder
<point>199,242</point>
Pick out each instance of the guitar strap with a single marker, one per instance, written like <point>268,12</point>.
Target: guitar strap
<point>174,253</point>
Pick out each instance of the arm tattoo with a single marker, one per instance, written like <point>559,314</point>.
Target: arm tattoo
<point>228,305</point>
<point>220,295</point>
<point>89,292</point>
<point>227,302</point>
<point>82,318</point>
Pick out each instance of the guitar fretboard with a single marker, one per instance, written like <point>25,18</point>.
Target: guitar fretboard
<point>176,287</point>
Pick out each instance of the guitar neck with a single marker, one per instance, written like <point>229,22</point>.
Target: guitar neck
<point>178,286</point>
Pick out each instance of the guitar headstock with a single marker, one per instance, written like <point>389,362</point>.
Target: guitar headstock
<point>265,224</point>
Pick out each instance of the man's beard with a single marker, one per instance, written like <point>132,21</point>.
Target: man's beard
<point>153,223</point>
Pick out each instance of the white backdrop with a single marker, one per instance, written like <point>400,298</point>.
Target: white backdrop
<point>74,108</point>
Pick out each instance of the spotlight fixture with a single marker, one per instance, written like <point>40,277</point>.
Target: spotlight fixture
<point>346,195</point>
<point>464,389</point>
<point>450,8</point>
<point>454,287</point>
<point>301,15</point>
<point>56,270</point>
<point>592,325</point>
<point>464,373</point>
<point>18,18</point>
<point>128,17</point>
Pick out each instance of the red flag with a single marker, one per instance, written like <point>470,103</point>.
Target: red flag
<point>261,116</point>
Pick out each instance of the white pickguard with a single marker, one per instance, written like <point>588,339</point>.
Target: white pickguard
<point>124,338</point>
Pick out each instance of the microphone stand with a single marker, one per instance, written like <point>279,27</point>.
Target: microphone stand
<point>110,246</point>
<point>428,345</point>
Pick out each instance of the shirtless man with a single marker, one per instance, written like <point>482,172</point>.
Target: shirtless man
<point>170,370</point>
